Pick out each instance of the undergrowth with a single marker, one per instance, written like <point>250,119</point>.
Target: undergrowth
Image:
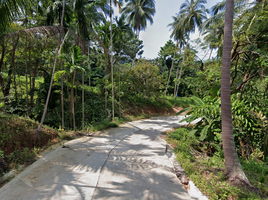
<point>207,172</point>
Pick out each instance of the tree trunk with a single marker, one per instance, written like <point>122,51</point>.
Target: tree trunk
<point>106,94</point>
<point>112,70</point>
<point>170,72</point>
<point>183,60</point>
<point>88,67</point>
<point>39,129</point>
<point>146,89</point>
<point>62,99</point>
<point>210,54</point>
<point>233,166</point>
<point>1,64</point>
<point>26,83</point>
<point>83,100</point>
<point>76,95</point>
<point>33,78</point>
<point>6,85</point>
<point>119,86</point>
<point>69,103</point>
<point>178,86</point>
<point>175,87</point>
<point>15,84</point>
<point>133,61</point>
<point>72,100</point>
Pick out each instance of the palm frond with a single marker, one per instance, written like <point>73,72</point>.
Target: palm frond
<point>41,31</point>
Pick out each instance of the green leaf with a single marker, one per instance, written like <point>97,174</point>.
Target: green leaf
<point>188,119</point>
<point>184,110</point>
<point>1,104</point>
<point>198,100</point>
<point>192,132</point>
<point>204,133</point>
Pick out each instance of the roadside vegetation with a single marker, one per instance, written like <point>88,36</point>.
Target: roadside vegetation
<point>203,162</point>
<point>73,66</point>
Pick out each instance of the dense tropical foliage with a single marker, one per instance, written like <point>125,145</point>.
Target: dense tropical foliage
<point>69,64</point>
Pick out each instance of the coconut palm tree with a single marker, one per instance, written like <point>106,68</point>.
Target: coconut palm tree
<point>88,15</point>
<point>192,14</point>
<point>122,28</point>
<point>9,11</point>
<point>138,12</point>
<point>232,163</point>
<point>119,4</point>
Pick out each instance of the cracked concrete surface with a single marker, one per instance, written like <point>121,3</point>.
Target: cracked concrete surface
<point>127,162</point>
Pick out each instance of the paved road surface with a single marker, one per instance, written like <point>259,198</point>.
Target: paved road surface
<point>127,163</point>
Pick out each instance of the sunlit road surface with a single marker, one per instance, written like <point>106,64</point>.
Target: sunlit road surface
<point>127,162</point>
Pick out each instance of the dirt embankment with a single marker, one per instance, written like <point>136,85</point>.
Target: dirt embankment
<point>18,141</point>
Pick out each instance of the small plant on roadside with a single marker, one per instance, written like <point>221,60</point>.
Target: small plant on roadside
<point>21,157</point>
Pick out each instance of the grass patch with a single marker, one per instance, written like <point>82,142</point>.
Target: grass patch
<point>183,102</point>
<point>207,172</point>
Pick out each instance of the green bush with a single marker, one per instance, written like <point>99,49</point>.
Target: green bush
<point>21,157</point>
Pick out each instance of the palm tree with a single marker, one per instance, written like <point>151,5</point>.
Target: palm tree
<point>138,12</point>
<point>9,11</point>
<point>192,14</point>
<point>72,65</point>
<point>88,16</point>
<point>119,3</point>
<point>122,28</point>
<point>39,129</point>
<point>232,163</point>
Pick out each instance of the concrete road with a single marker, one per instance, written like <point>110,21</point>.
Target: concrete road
<point>127,163</point>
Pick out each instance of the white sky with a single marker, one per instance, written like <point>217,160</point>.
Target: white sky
<point>156,35</point>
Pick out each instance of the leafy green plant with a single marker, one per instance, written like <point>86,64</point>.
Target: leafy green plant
<point>20,157</point>
<point>209,113</point>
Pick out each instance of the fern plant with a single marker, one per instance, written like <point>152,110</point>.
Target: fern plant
<point>209,113</point>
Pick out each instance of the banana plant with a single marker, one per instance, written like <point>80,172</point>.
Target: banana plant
<point>208,111</point>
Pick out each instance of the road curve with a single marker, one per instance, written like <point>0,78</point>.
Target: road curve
<point>127,163</point>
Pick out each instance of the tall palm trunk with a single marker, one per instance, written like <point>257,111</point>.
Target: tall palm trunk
<point>15,84</point>
<point>62,100</point>
<point>83,89</point>
<point>39,129</point>
<point>112,70</point>
<point>69,102</point>
<point>26,81</point>
<point>119,86</point>
<point>88,67</point>
<point>170,71</point>
<point>106,93</point>
<point>72,100</point>
<point>179,80</point>
<point>83,100</point>
<point>233,166</point>
<point>183,60</point>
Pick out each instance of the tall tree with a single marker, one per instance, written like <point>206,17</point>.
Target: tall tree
<point>232,163</point>
<point>39,129</point>
<point>122,30</point>
<point>72,65</point>
<point>192,14</point>
<point>88,16</point>
<point>138,12</point>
